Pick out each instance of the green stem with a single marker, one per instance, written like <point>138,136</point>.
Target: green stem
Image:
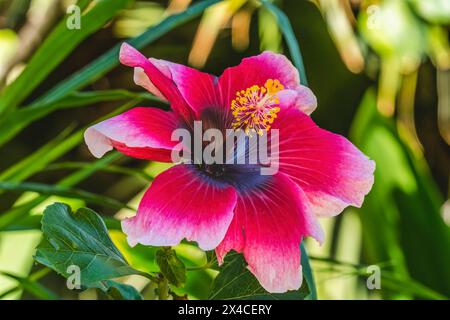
<point>199,268</point>
<point>163,289</point>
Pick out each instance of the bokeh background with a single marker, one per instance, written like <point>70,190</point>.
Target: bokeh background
<point>381,73</point>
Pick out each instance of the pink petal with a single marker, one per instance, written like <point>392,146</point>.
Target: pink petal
<point>302,98</point>
<point>257,70</point>
<point>179,204</point>
<point>141,79</point>
<point>140,132</point>
<point>160,79</point>
<point>198,89</point>
<point>331,170</point>
<point>268,226</point>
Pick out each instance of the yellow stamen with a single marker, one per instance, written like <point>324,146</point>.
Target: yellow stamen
<point>255,108</point>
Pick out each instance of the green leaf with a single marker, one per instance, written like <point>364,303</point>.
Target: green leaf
<point>17,213</point>
<point>408,285</point>
<point>307,273</point>
<point>80,239</point>
<point>53,150</point>
<point>235,281</point>
<point>140,257</point>
<point>120,291</point>
<point>391,281</point>
<point>32,287</point>
<point>270,37</point>
<point>143,258</point>
<point>171,266</point>
<point>86,98</point>
<point>63,192</point>
<point>57,46</point>
<point>404,202</point>
<point>33,222</point>
<point>139,173</point>
<point>291,40</point>
<point>38,160</point>
<point>109,60</point>
<point>92,72</point>
<point>17,120</point>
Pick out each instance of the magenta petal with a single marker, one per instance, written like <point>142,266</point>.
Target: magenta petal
<point>179,204</point>
<point>331,170</point>
<point>268,226</point>
<point>141,79</point>
<point>198,89</point>
<point>160,79</point>
<point>140,132</point>
<point>257,70</point>
<point>302,98</point>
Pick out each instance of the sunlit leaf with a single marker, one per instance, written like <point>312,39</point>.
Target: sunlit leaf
<point>17,120</point>
<point>80,239</point>
<point>57,46</point>
<point>37,160</point>
<point>402,212</point>
<point>140,173</point>
<point>171,266</point>
<point>307,273</point>
<point>17,213</point>
<point>235,281</point>
<point>291,40</point>
<point>109,60</point>
<point>61,191</point>
<point>119,291</point>
<point>32,287</point>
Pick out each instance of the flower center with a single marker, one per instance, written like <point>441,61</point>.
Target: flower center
<point>255,108</point>
<point>213,170</point>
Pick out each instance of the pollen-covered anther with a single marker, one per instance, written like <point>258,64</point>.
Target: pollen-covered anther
<point>256,108</point>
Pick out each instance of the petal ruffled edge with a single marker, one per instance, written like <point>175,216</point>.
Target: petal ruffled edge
<point>181,203</point>
<point>160,79</point>
<point>330,169</point>
<point>141,132</point>
<point>199,89</point>
<point>268,227</point>
<point>302,98</point>
<point>256,70</point>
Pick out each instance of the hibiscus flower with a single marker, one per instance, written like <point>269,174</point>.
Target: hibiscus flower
<point>232,206</point>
